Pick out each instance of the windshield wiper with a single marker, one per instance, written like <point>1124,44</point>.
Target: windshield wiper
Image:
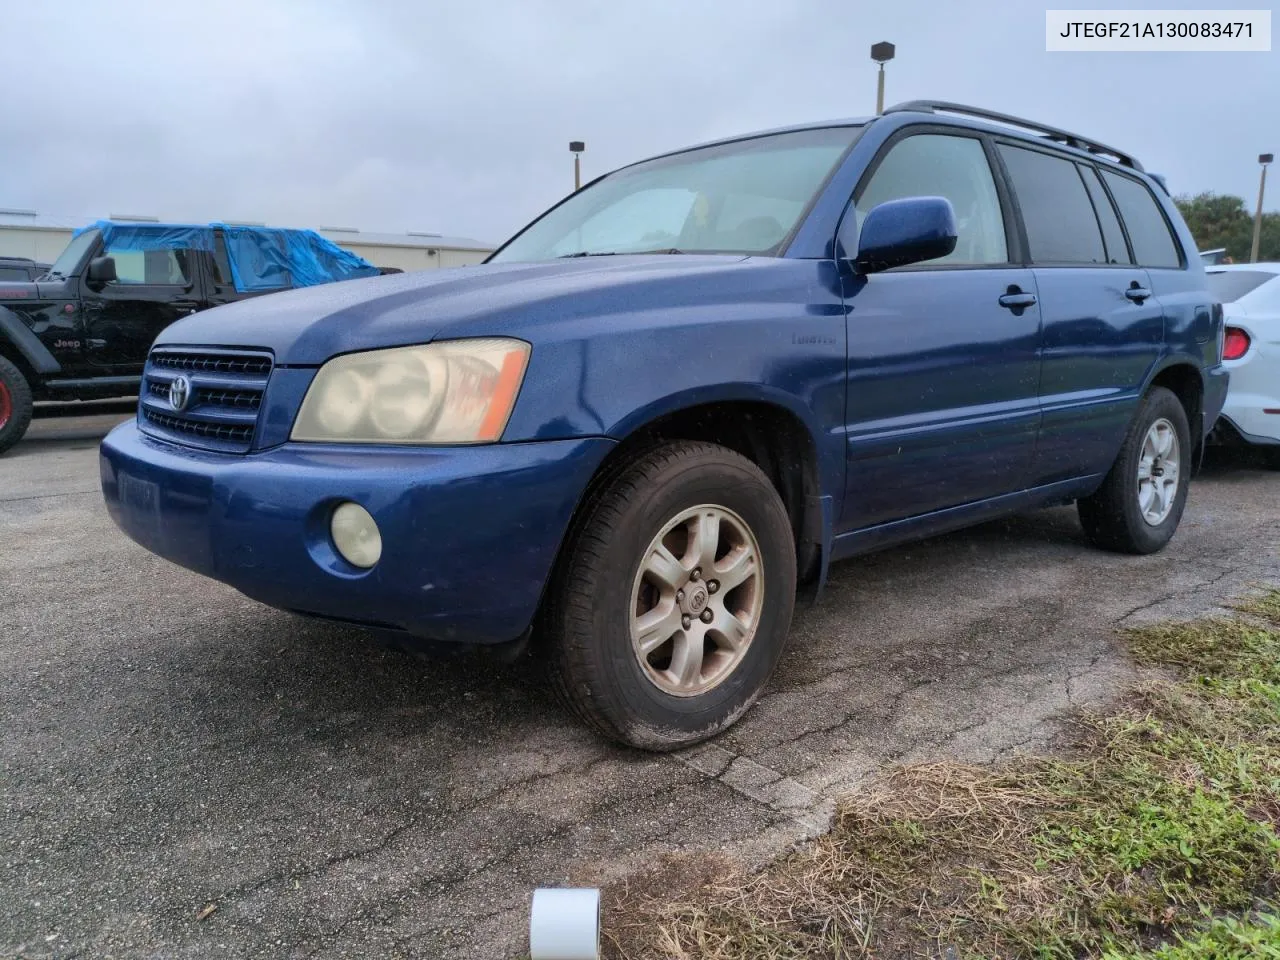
<point>618,253</point>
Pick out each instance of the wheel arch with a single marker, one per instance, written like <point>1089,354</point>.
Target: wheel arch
<point>1186,381</point>
<point>772,435</point>
<point>23,348</point>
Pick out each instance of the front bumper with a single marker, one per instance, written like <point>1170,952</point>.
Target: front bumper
<point>469,534</point>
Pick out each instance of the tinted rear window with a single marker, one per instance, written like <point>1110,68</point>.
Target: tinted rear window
<point>1230,285</point>
<point>1153,244</point>
<point>1061,225</point>
<point>1117,252</point>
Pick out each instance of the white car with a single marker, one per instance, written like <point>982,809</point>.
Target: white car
<point>1250,295</point>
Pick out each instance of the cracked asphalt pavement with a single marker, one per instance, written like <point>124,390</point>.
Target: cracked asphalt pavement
<point>186,773</point>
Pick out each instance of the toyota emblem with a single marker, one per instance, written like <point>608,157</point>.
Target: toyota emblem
<point>179,393</point>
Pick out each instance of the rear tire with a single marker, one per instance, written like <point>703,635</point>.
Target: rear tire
<point>673,599</point>
<point>15,405</point>
<point>1139,505</point>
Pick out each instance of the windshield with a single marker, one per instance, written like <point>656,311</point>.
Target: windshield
<point>743,197</point>
<point>1230,285</point>
<point>70,256</point>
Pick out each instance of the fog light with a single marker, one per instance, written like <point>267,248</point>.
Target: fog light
<point>356,535</point>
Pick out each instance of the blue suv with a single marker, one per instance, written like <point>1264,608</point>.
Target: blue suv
<point>671,401</point>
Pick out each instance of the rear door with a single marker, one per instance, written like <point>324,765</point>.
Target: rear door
<point>153,289</point>
<point>943,357</point>
<point>1176,279</point>
<point>1103,327</point>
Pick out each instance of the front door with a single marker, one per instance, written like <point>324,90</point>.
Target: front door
<point>50,311</point>
<point>153,289</point>
<point>943,357</point>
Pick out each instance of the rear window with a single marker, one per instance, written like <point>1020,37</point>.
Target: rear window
<point>1153,244</point>
<point>1230,285</point>
<point>1117,252</point>
<point>1056,209</point>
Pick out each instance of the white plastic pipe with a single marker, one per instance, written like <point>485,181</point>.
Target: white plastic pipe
<point>565,925</point>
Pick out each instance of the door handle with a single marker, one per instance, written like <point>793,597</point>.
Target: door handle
<point>1137,293</point>
<point>1016,299</point>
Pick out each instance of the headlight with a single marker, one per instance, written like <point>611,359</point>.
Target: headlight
<point>459,391</point>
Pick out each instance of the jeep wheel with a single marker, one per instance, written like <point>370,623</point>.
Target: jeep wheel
<point>15,405</point>
<point>1139,505</point>
<point>674,597</point>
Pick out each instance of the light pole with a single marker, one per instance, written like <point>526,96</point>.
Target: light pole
<point>881,53</point>
<point>576,147</point>
<point>1263,160</point>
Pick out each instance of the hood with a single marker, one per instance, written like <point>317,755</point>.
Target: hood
<point>308,326</point>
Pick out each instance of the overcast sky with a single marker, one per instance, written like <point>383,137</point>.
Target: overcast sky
<point>455,117</point>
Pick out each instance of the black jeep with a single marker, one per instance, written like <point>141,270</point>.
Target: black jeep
<point>81,329</point>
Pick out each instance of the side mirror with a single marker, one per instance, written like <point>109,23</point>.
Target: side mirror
<point>102,270</point>
<point>910,230</point>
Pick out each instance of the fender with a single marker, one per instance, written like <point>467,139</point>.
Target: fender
<point>27,343</point>
<point>662,404</point>
<point>830,459</point>
<point>1169,360</point>
<point>818,521</point>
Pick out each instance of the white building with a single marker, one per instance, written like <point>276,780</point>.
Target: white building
<point>25,233</point>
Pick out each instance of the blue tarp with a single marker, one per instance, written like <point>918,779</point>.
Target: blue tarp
<point>260,258</point>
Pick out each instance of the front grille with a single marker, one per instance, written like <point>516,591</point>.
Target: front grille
<point>213,363</point>
<point>225,390</point>
<point>195,428</point>
<point>240,399</point>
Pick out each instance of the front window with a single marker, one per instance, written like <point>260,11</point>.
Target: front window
<point>72,254</point>
<point>939,165</point>
<point>162,267</point>
<point>743,197</point>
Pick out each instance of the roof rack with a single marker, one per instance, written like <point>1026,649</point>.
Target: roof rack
<point>1051,133</point>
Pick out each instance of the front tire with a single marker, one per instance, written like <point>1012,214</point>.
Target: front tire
<point>1139,505</point>
<point>674,597</point>
<point>15,405</point>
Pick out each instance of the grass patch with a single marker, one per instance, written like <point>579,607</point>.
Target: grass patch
<point>1156,827</point>
<point>1226,938</point>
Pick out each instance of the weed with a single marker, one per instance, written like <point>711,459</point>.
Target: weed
<point>1161,818</point>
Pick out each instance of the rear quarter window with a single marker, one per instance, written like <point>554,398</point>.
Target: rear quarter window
<point>1149,233</point>
<point>1112,233</point>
